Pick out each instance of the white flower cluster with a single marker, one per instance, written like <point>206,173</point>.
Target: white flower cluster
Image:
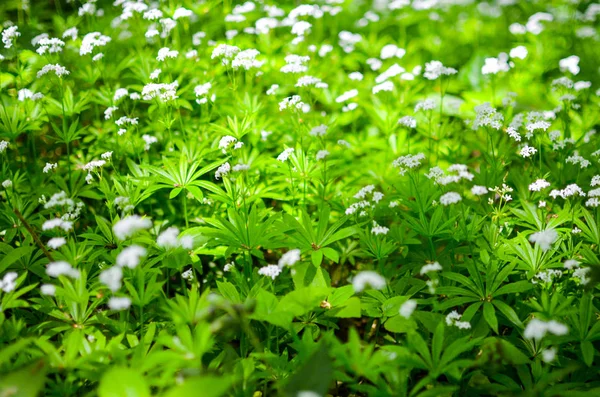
<point>57,69</point>
<point>8,283</point>
<point>453,319</point>
<point>544,239</point>
<point>91,41</point>
<point>430,267</point>
<point>407,162</point>
<point>295,64</point>
<point>435,69</point>
<point>537,329</point>
<point>130,225</point>
<point>368,279</point>
<point>568,191</point>
<point>450,198</point>
<point>377,229</point>
<point>170,239</point>
<point>539,185</point>
<point>165,92</point>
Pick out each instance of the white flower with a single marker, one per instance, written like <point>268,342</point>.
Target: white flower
<point>127,227</point>
<point>8,34</point>
<point>435,69</point>
<point>247,60</point>
<point>165,53</point>
<point>377,229</point>
<point>226,141</point>
<point>430,267</point>
<point>295,64</point>
<point>321,154</point>
<point>518,52</point>
<point>580,274</point>
<point>527,151</point>
<point>407,162</point>
<point>570,64</point>
<point>61,268</point>
<point>293,102</point>
<point>374,63</point>
<point>300,28</point>
<point>319,130</point>
<point>92,40</point>
<point>289,258</point>
<point>496,65</point>
<point>7,183</point>
<point>450,198</point>
<point>537,329</point>
<point>57,222</point>
<point>131,256</point>
<point>539,185</point>
<point>385,86</point>
<point>170,239</point>
<point>222,171</point>
<point>453,318</point>
<point>548,355</point>
<point>273,89</point>
<point>108,113</point>
<point>283,156</point>
<point>582,85</point>
<point>571,264</point>
<point>356,76</point>
<point>479,190</point>
<point>346,95</point>
<point>544,238</point>
<point>392,71</point>
<point>407,308</point>
<point>182,13</point>
<point>112,278</point>
<point>57,69</point>
<point>225,52</point>
<point>368,278</point>
<point>408,122</point>
<point>119,303</point>
<point>568,191</point>
<point>8,283</point>
<point>56,242</point>
<point>165,92</point>
<point>48,289</point>
<point>427,104</point>
<point>155,73</point>
<point>188,274</point>
<point>270,271</point>
<point>391,51</point>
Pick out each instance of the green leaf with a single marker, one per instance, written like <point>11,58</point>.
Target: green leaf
<point>350,309</point>
<point>302,300</point>
<point>26,382</point>
<point>588,351</point>
<point>317,257</point>
<point>14,256</point>
<point>331,254</point>
<point>123,382</point>
<point>229,291</point>
<point>205,385</point>
<point>315,375</point>
<point>508,312</point>
<point>490,316</point>
<point>400,325</point>
<point>175,192</point>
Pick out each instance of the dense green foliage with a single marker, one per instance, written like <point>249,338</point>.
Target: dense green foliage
<point>387,198</point>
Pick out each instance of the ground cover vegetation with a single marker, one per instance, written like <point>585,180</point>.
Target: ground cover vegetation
<point>329,198</point>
